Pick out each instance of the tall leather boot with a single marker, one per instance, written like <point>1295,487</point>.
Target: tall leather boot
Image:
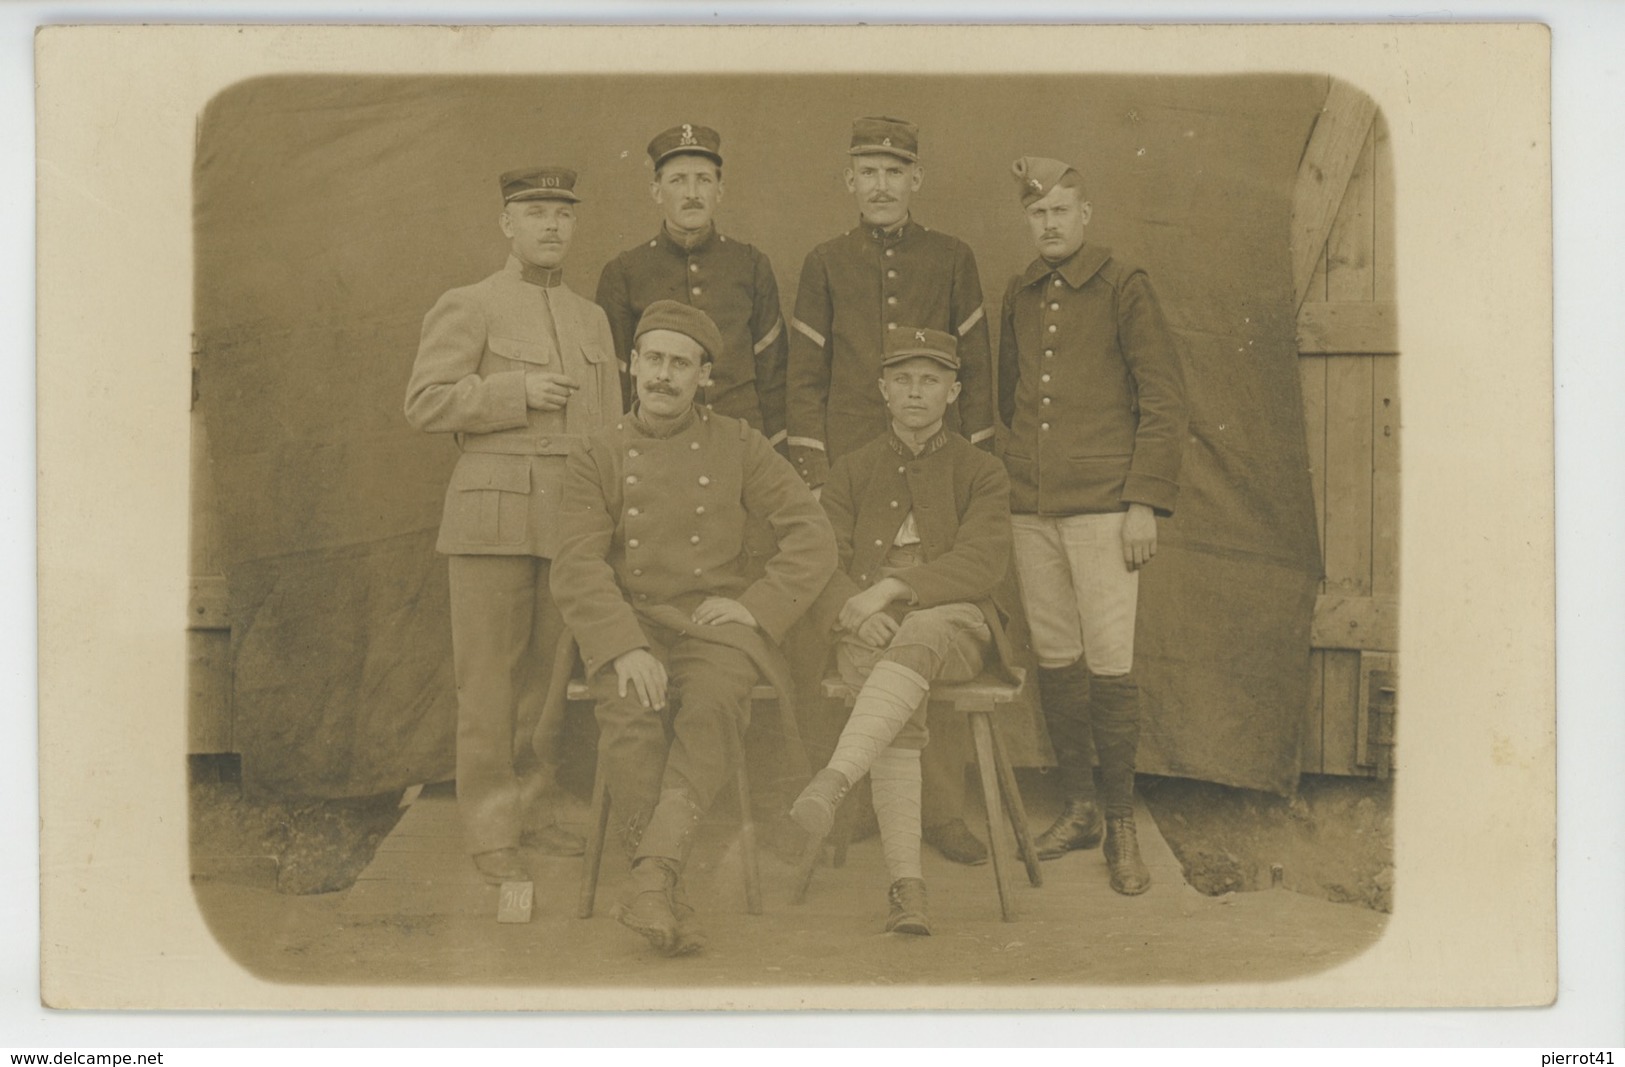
<point>1064,694</point>
<point>657,906</point>
<point>1117,739</point>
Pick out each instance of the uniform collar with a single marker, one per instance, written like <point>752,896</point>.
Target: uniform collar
<point>669,429</point>
<point>1075,269</point>
<point>900,446</point>
<point>546,277</point>
<point>697,243</point>
<point>888,236</point>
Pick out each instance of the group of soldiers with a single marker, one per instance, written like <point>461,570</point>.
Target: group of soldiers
<point>693,486</point>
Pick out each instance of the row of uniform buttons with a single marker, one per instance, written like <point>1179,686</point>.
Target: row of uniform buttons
<point>1049,353</point>
<point>633,512</point>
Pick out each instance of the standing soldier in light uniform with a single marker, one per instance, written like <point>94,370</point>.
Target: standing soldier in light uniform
<point>690,262</point>
<point>886,271</point>
<point>519,369</point>
<point>1090,384</point>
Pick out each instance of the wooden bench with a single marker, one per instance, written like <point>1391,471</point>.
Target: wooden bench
<point>979,701</point>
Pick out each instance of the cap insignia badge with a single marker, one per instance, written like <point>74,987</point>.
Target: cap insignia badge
<point>688,133</point>
<point>1036,184</point>
<point>919,335</point>
<point>886,141</point>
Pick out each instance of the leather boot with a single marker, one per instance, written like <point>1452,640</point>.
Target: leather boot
<point>658,907</point>
<point>1079,826</point>
<point>1064,694</point>
<point>908,913</point>
<point>647,908</point>
<point>1115,718</point>
<point>814,809</point>
<point>1122,850</point>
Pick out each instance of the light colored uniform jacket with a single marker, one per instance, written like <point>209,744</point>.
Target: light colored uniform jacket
<point>478,342</point>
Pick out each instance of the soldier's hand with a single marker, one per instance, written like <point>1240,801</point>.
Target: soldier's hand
<point>860,606</point>
<point>878,630</point>
<point>639,671</point>
<point>717,609</point>
<point>547,390</point>
<point>1139,536</point>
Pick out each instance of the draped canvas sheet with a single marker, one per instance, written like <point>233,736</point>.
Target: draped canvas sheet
<point>331,212</point>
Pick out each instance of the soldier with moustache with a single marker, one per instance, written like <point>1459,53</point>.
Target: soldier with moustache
<point>673,625</point>
<point>888,271</point>
<point>519,369</point>
<point>1091,387</point>
<point>691,262</point>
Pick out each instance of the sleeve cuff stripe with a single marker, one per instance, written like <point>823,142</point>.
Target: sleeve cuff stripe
<point>772,335</point>
<point>981,435</point>
<point>776,438</point>
<point>808,332</point>
<point>806,442</point>
<point>965,327</point>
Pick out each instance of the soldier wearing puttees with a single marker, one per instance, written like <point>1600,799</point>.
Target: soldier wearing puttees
<point>671,622</point>
<point>689,261</point>
<point>519,369</point>
<point>886,272</point>
<point>1091,387</point>
<point>922,523</point>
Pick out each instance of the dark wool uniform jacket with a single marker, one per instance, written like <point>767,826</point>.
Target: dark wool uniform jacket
<point>960,497</point>
<point>469,379</point>
<point>1091,387</point>
<point>854,288</point>
<point>661,520</point>
<point>733,283</point>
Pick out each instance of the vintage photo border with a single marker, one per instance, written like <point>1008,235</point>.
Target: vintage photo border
<point>1527,752</point>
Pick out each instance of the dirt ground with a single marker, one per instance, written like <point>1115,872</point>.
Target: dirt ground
<point>1334,840</point>
<point>419,914</point>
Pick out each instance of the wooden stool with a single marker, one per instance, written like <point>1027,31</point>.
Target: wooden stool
<point>565,686</point>
<point>978,701</point>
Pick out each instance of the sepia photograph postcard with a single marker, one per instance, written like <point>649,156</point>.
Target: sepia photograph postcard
<point>587,518</point>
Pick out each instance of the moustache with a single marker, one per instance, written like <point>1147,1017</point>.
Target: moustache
<point>693,204</point>
<point>663,390</point>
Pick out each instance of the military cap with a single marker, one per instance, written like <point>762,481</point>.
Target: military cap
<point>687,138</point>
<point>685,319</point>
<point>539,183</point>
<point>881,133</point>
<point>914,342</point>
<point>1036,176</point>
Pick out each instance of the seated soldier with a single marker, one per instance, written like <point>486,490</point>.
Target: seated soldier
<point>652,579</point>
<point>922,521</point>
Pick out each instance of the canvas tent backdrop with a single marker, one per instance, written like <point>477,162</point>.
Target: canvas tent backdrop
<point>331,212</point>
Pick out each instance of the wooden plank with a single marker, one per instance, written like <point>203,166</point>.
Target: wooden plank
<point>1385,419</point>
<point>1312,379</point>
<point>207,606</point>
<point>1340,134</point>
<point>1386,286</point>
<point>1358,622</point>
<point>1352,327</point>
<point>208,684</point>
<point>1348,476</point>
<point>1369,662</point>
<point>1350,244</point>
<point>1340,736</point>
<point>1311,761</point>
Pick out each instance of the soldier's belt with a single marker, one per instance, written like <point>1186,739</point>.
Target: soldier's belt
<point>552,444</point>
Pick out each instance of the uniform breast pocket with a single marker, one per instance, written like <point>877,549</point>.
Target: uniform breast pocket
<point>594,353</point>
<point>520,351</point>
<point>490,499</point>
